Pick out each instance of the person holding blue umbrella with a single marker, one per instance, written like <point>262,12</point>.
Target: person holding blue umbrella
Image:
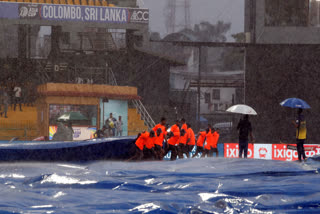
<point>300,124</point>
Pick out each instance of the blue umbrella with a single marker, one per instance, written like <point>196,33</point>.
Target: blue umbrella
<point>295,103</point>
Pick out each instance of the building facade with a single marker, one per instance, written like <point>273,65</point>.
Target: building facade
<point>282,61</point>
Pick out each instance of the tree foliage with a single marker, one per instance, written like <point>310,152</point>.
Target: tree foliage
<point>207,32</point>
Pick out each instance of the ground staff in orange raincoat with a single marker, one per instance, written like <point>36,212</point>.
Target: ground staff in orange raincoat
<point>161,135</point>
<point>191,139</point>
<point>209,144</point>
<point>173,140</point>
<point>158,144</point>
<point>183,149</point>
<point>148,152</point>
<point>200,141</point>
<point>214,148</point>
<point>139,146</point>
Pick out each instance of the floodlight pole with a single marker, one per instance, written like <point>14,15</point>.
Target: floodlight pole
<point>199,81</point>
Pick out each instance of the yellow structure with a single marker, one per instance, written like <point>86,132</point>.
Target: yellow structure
<point>33,122</point>
<point>22,124</point>
<point>135,124</point>
<point>79,94</point>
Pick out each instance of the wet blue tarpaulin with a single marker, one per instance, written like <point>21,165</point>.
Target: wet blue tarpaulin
<point>102,149</point>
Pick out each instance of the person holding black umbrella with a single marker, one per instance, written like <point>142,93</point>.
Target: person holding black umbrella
<point>301,134</point>
<point>245,129</point>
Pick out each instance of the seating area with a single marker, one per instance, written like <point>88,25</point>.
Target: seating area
<point>102,3</point>
<point>22,124</point>
<point>135,123</point>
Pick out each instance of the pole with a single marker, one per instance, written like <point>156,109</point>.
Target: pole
<point>199,93</point>
<point>244,75</point>
<point>103,112</point>
<point>29,42</point>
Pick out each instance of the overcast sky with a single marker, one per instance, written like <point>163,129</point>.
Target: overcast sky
<point>201,10</point>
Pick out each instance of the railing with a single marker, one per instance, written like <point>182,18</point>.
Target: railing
<point>145,116</point>
<point>112,78</point>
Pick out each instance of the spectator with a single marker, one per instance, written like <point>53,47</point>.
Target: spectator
<point>110,122</point>
<point>61,134</point>
<point>70,131</point>
<point>1,97</point>
<point>17,97</point>
<point>119,125</point>
<point>100,133</point>
<point>5,102</point>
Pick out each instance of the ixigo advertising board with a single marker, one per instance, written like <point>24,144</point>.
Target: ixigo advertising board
<point>74,13</point>
<point>269,151</point>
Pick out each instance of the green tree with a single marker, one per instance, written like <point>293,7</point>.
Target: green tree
<point>207,32</point>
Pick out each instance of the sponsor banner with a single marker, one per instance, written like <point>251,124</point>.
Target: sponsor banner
<point>73,13</point>
<point>231,150</point>
<point>280,152</point>
<point>263,151</point>
<point>80,133</point>
<point>270,151</point>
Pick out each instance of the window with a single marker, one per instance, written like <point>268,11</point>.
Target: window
<point>286,12</point>
<point>207,97</point>
<point>84,115</point>
<point>314,13</point>
<point>216,94</point>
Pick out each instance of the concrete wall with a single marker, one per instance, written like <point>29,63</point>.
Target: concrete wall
<point>275,73</point>
<point>282,34</point>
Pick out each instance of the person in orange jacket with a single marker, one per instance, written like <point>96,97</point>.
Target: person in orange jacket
<point>148,151</point>
<point>191,140</point>
<point>200,142</point>
<point>161,135</point>
<point>214,148</point>
<point>173,140</point>
<point>140,143</point>
<point>162,126</point>
<point>182,149</point>
<point>209,145</point>
<point>158,144</point>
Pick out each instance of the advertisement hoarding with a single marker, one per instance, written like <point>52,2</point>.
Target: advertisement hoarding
<point>270,151</point>
<point>231,150</point>
<point>56,12</point>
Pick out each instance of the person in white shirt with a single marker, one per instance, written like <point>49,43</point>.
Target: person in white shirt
<point>17,97</point>
<point>119,125</point>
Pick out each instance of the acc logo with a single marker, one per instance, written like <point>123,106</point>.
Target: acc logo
<point>24,12</point>
<point>140,16</point>
<point>263,152</point>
